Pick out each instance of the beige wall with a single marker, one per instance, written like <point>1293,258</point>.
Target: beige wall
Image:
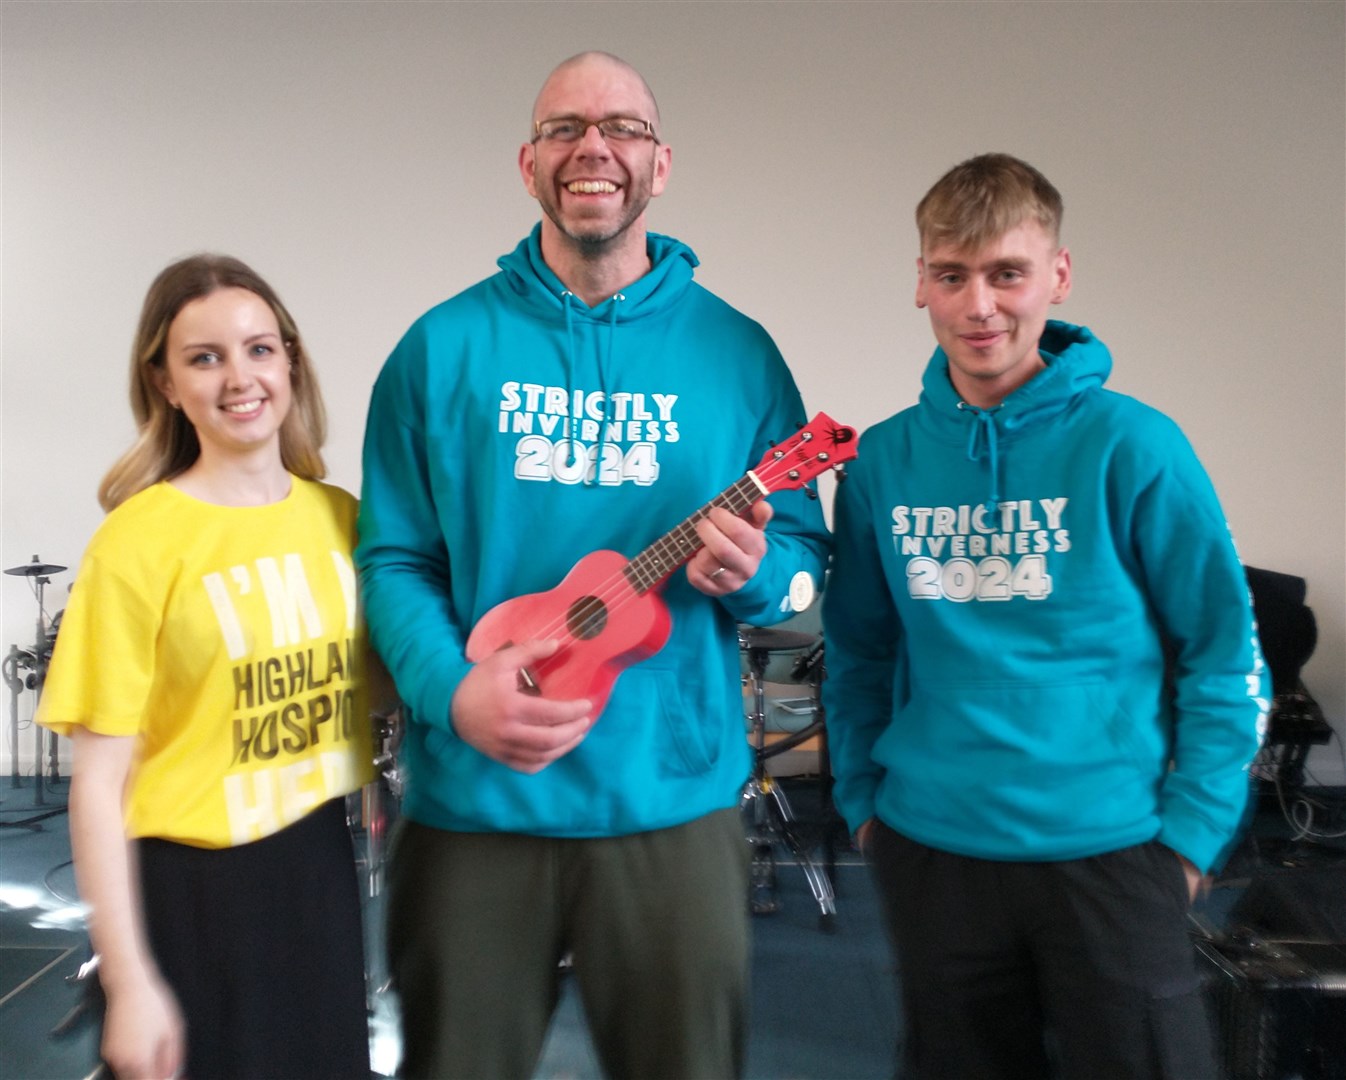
<point>362,156</point>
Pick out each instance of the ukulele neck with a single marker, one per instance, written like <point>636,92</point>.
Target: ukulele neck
<point>651,567</point>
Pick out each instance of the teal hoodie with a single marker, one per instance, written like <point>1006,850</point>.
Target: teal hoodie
<point>1039,639</point>
<point>473,494</point>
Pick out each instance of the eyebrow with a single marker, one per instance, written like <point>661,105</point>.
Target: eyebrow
<point>213,345</point>
<point>1008,262</point>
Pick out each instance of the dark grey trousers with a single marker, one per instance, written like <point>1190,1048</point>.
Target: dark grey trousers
<point>656,923</point>
<point>1078,969</point>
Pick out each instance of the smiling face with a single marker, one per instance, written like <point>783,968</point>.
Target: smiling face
<point>226,367</point>
<point>988,307</point>
<point>593,191</point>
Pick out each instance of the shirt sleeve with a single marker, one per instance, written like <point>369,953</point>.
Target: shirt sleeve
<point>1200,592</point>
<point>798,541</point>
<point>403,562</point>
<point>863,638</point>
<point>103,665</point>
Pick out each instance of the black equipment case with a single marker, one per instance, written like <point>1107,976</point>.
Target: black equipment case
<point>1281,1006</point>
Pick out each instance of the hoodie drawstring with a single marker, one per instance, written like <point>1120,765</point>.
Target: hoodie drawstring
<point>984,431</point>
<point>566,297</point>
<point>603,368</point>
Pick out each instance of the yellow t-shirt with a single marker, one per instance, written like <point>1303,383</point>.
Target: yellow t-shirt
<point>227,640</point>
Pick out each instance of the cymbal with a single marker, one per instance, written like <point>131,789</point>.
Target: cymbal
<point>771,639</point>
<point>35,569</point>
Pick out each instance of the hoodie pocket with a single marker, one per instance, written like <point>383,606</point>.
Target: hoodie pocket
<point>1067,724</point>
<point>672,722</point>
<point>1018,763</point>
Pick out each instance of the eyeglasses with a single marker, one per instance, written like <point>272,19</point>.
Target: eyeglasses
<point>568,129</point>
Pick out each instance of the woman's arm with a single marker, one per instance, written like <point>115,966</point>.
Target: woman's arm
<point>143,1033</point>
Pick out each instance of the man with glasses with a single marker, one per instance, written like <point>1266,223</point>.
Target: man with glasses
<point>589,396</point>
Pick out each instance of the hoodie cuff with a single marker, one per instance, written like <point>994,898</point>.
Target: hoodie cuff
<point>1193,839</point>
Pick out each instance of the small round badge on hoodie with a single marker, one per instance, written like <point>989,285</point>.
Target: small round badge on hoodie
<point>802,591</point>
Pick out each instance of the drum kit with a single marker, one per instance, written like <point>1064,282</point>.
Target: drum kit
<point>768,816</point>
<point>34,662</point>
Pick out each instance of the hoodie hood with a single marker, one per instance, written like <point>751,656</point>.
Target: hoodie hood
<point>1077,362</point>
<point>537,286</point>
<point>533,281</point>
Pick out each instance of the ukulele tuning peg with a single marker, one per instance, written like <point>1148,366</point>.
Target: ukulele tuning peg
<point>808,491</point>
<point>841,473</point>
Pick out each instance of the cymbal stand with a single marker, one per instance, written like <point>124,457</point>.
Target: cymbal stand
<point>15,683</point>
<point>38,660</point>
<point>770,819</point>
<point>810,667</point>
<point>381,798</point>
<point>42,651</point>
<point>380,802</point>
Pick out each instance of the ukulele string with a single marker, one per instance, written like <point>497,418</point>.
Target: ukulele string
<point>618,590</point>
<point>612,596</point>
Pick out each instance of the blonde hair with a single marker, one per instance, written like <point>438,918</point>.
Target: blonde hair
<point>167,443</point>
<point>985,197</point>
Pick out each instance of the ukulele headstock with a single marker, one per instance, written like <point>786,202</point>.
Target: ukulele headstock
<point>819,445</point>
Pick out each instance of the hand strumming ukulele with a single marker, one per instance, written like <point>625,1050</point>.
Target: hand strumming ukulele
<point>607,613</point>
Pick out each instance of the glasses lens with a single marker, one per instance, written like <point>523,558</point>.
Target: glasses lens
<point>572,128</point>
<point>566,129</point>
<point>622,127</point>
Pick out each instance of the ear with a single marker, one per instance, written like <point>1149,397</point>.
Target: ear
<point>1061,276</point>
<point>663,162</point>
<point>920,283</point>
<point>164,384</point>
<point>527,167</point>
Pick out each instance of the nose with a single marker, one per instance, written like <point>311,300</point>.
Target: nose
<point>592,142</point>
<point>981,300</point>
<point>238,372</point>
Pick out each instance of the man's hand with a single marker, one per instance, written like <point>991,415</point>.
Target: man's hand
<point>734,546</point>
<point>1196,882</point>
<point>493,714</point>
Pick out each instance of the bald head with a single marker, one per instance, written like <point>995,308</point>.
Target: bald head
<point>602,65</point>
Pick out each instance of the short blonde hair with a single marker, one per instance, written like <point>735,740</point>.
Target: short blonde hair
<point>985,197</point>
<point>167,444</point>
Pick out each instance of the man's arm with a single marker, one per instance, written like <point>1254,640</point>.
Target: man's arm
<point>1199,590</point>
<point>402,558</point>
<point>864,637</point>
<point>765,549</point>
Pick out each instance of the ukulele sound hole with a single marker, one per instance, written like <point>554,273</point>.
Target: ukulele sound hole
<point>587,617</point>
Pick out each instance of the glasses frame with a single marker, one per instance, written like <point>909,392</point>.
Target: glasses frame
<point>539,137</point>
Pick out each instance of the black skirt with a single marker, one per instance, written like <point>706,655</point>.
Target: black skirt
<point>263,946</point>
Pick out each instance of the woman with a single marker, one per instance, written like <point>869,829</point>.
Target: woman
<point>210,674</point>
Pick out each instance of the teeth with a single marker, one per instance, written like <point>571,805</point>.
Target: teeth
<point>591,187</point>
<point>244,407</point>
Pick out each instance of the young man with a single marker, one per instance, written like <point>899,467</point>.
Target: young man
<point>589,396</point>
<point>1045,686</point>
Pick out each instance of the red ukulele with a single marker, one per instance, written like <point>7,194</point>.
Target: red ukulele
<point>607,613</point>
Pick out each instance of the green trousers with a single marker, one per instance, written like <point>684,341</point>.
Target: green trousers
<point>656,924</point>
